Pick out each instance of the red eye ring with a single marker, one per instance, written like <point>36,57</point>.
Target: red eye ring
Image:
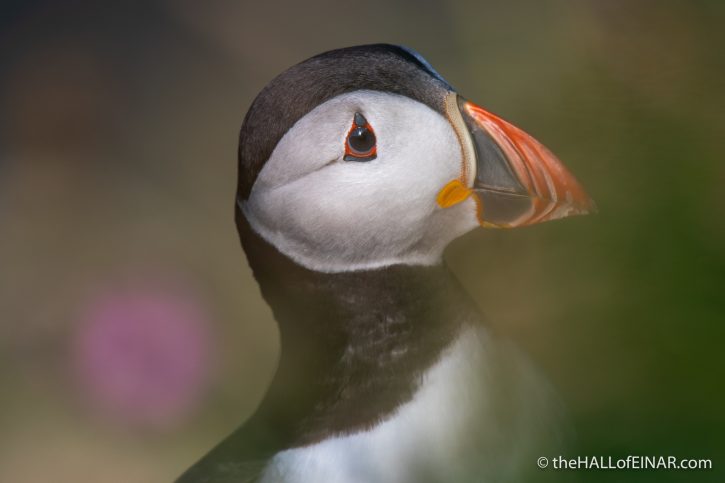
<point>360,143</point>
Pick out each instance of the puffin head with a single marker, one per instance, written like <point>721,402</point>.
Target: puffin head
<point>364,157</point>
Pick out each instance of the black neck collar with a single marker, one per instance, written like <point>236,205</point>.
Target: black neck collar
<point>354,347</point>
<point>353,344</point>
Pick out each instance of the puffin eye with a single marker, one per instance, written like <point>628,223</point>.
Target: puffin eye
<point>360,144</point>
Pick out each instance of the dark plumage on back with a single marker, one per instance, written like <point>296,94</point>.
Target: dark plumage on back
<point>302,87</point>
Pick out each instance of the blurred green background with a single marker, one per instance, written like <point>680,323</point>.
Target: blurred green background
<point>118,132</point>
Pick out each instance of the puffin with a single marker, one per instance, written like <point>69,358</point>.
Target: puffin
<point>356,168</point>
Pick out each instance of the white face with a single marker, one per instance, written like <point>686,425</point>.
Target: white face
<point>333,215</point>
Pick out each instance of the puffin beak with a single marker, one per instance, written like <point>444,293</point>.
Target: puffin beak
<point>515,180</point>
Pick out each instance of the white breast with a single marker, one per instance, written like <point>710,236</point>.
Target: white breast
<point>478,415</point>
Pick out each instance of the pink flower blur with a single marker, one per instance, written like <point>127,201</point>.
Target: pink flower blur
<point>143,356</point>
